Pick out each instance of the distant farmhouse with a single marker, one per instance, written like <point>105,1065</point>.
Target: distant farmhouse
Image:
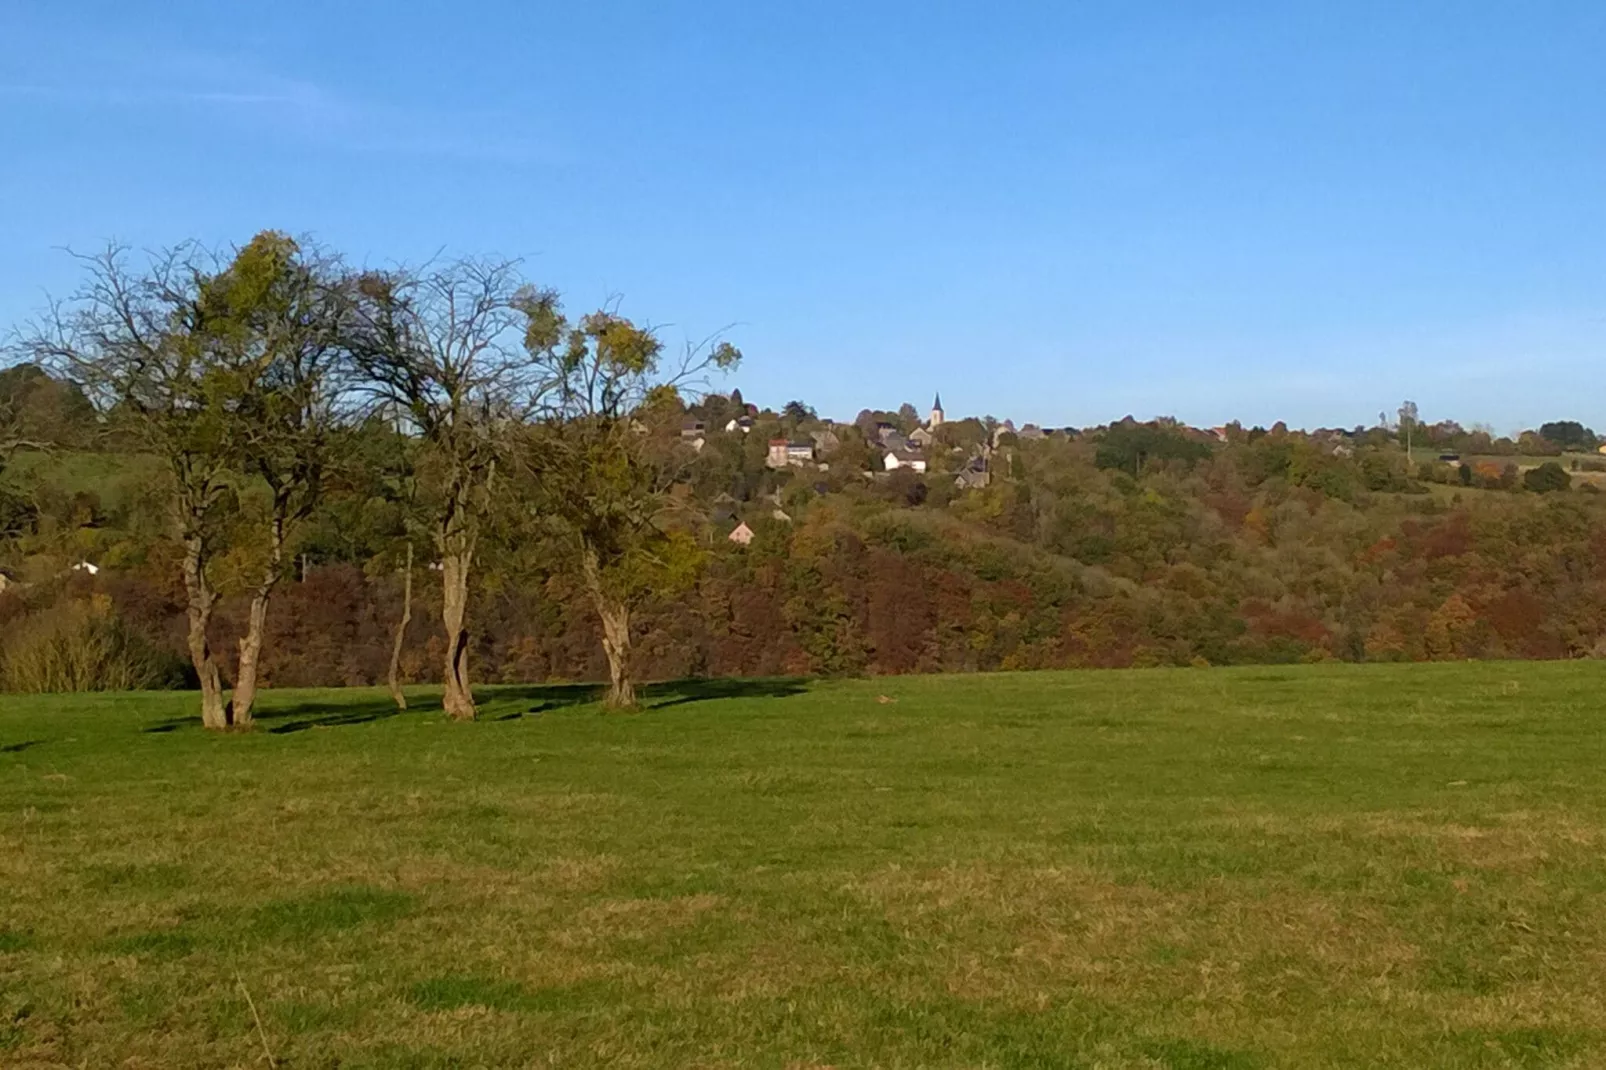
<point>895,459</point>
<point>975,475</point>
<point>786,453</point>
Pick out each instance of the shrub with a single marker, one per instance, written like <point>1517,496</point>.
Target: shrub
<point>1547,477</point>
<point>82,645</point>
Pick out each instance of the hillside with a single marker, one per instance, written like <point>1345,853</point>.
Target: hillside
<point>1273,547</point>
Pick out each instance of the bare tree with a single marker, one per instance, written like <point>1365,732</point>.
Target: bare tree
<point>441,346</point>
<point>144,343</point>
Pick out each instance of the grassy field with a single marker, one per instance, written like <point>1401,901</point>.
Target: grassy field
<point>1203,870</point>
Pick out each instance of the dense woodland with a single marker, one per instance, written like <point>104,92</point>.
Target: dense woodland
<point>264,468</point>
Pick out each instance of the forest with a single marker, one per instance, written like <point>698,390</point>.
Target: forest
<point>257,467</point>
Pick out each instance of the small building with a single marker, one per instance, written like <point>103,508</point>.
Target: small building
<point>974,476</point>
<point>744,424</point>
<point>742,535</point>
<point>1030,432</point>
<point>825,440</point>
<point>691,427</point>
<point>903,458</point>
<point>921,437</point>
<point>883,430</point>
<point>784,453</point>
<point>85,566</point>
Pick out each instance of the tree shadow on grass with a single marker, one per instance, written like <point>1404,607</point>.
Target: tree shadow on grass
<point>18,748</point>
<point>545,698</point>
<point>532,700</point>
<point>684,692</point>
<point>300,716</point>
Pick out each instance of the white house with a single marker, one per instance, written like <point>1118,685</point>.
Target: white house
<point>896,459</point>
<point>742,535</point>
<point>85,566</point>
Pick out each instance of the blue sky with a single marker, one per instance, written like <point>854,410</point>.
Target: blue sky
<point>1062,213</point>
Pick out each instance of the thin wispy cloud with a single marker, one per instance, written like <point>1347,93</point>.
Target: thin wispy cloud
<point>295,108</point>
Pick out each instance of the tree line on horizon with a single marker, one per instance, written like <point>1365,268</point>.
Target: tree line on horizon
<point>259,451</point>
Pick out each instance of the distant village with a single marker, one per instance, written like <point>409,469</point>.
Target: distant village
<point>814,442</point>
<point>969,452</point>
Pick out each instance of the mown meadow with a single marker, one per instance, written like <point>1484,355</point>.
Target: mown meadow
<point>1313,866</point>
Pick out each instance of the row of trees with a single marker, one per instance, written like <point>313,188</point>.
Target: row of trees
<point>250,375</point>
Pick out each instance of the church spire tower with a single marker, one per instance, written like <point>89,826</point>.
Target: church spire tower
<point>936,412</point>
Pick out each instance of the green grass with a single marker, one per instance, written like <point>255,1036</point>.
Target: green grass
<point>1329,866</point>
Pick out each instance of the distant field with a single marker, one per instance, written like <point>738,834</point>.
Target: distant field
<point>1421,455</point>
<point>1323,866</point>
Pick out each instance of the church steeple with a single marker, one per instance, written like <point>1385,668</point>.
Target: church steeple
<point>936,411</point>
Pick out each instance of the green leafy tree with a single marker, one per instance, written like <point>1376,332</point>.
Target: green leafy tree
<point>280,310</point>
<point>1569,434</point>
<point>161,348</point>
<point>1409,420</point>
<point>607,464</point>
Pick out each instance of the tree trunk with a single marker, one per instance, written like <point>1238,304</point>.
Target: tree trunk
<point>394,677</point>
<point>245,678</point>
<point>458,696</point>
<point>615,617</point>
<point>616,644</point>
<point>201,598</point>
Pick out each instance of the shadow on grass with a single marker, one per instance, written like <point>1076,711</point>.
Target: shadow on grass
<point>545,698</point>
<point>540,699</point>
<point>683,692</point>
<point>18,748</point>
